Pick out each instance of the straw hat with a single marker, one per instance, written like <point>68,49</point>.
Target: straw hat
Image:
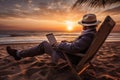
<point>89,20</point>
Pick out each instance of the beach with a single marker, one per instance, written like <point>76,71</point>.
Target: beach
<point>26,23</point>
<point>106,63</point>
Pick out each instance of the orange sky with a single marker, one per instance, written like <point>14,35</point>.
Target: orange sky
<point>37,25</point>
<point>46,17</point>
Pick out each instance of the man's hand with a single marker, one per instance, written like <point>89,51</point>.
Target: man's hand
<point>56,44</point>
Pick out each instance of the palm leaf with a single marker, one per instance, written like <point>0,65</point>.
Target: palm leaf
<point>95,3</point>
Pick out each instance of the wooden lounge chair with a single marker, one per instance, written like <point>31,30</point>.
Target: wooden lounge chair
<point>99,39</point>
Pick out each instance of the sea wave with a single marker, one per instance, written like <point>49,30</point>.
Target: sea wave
<point>4,35</point>
<point>30,37</point>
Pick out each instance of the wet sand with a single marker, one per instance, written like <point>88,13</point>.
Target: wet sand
<point>106,63</point>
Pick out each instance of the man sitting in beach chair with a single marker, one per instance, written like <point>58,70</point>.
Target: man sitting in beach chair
<point>79,45</point>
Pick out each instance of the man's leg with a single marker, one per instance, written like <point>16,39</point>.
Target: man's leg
<point>43,47</point>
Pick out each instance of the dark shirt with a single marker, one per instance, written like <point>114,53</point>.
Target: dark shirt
<point>80,44</point>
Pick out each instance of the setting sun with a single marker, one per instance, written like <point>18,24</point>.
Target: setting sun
<point>70,25</point>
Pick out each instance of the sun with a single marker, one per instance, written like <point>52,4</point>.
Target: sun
<point>70,25</point>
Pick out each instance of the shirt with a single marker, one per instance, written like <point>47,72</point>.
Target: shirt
<point>80,44</point>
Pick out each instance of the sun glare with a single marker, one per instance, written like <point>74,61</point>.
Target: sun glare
<point>70,25</point>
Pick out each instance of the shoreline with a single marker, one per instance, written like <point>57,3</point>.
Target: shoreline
<point>38,43</point>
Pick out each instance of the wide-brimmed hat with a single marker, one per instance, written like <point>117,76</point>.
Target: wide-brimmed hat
<point>89,20</point>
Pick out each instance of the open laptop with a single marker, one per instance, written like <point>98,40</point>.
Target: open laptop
<point>51,38</point>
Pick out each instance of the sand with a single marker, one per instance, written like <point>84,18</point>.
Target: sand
<point>106,63</point>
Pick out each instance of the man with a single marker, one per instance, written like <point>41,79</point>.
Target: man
<point>79,45</point>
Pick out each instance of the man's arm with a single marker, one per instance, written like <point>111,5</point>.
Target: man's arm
<point>76,46</point>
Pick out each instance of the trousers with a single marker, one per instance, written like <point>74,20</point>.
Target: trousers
<point>43,47</point>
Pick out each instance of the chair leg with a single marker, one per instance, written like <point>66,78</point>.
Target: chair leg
<point>72,68</point>
<point>93,67</point>
<point>83,69</point>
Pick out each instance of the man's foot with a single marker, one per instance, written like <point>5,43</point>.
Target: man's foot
<point>12,52</point>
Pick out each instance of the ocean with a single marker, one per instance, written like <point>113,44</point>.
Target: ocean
<point>14,37</point>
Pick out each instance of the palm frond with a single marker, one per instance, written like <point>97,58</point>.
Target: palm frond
<point>95,3</point>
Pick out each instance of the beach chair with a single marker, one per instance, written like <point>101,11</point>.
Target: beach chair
<point>99,39</point>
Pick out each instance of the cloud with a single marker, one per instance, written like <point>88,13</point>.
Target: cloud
<point>42,9</point>
<point>6,27</point>
<point>18,6</point>
<point>114,13</point>
<point>115,10</point>
<point>23,8</point>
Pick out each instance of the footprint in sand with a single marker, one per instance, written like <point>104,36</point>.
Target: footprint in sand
<point>10,70</point>
<point>6,62</point>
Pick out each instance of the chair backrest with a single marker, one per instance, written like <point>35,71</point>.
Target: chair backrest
<point>99,39</point>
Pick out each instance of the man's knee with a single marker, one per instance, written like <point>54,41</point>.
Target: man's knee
<point>44,43</point>
<point>47,47</point>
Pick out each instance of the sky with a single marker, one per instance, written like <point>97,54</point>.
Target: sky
<point>49,15</point>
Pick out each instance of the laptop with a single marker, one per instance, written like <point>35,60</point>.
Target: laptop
<point>51,38</point>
